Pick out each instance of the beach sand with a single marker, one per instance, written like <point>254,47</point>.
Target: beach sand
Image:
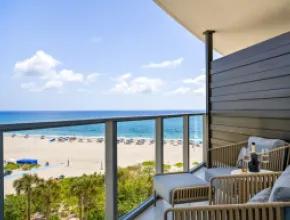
<point>86,157</point>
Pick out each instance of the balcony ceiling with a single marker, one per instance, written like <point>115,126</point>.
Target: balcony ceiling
<point>238,24</point>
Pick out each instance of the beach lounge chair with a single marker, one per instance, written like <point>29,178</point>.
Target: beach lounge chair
<point>263,196</point>
<point>152,141</point>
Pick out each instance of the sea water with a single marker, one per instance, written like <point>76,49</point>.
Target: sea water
<point>173,127</point>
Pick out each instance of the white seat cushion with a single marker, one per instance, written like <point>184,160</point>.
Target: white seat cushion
<point>165,184</point>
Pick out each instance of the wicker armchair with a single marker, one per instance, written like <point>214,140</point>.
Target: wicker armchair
<point>226,156</point>
<point>227,197</point>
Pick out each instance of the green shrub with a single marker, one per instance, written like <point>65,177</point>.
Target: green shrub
<point>26,167</point>
<point>11,166</point>
<point>195,163</point>
<point>148,163</point>
<point>178,165</point>
<point>54,217</point>
<point>29,166</point>
<point>166,167</point>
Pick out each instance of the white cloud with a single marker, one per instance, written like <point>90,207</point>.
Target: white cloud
<point>180,90</point>
<point>197,80</point>
<point>44,66</point>
<point>164,64</point>
<point>137,85</point>
<point>96,39</point>
<point>69,76</point>
<point>40,65</point>
<point>124,77</point>
<point>200,91</point>
<point>53,85</point>
<point>93,77</point>
<point>29,86</point>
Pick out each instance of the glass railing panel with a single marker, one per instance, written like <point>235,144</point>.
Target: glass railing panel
<point>173,142</point>
<point>136,163</point>
<point>69,165</point>
<point>196,138</point>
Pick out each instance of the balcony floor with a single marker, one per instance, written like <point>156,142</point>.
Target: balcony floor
<point>157,213</point>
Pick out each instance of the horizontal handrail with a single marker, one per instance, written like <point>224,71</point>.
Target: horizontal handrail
<point>56,124</point>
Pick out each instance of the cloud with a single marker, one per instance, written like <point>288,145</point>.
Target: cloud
<point>44,66</point>
<point>29,86</point>
<point>200,91</point>
<point>164,64</point>
<point>197,80</point>
<point>69,76</point>
<point>180,90</point>
<point>124,77</point>
<point>53,85</point>
<point>96,40</point>
<point>92,78</point>
<point>137,85</point>
<point>49,85</point>
<point>39,65</point>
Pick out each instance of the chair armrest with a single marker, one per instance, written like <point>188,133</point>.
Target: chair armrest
<point>190,194</point>
<point>226,156</point>
<point>279,158</point>
<point>258,211</point>
<point>238,189</point>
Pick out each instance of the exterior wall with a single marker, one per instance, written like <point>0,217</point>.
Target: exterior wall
<point>250,93</point>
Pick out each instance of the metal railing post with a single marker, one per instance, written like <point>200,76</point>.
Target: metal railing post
<point>185,143</point>
<point>159,145</point>
<point>204,138</point>
<point>111,170</point>
<point>2,179</point>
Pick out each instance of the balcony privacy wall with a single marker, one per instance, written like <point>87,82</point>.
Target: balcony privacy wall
<point>250,93</point>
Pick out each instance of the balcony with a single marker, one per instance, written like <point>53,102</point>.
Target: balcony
<point>150,156</point>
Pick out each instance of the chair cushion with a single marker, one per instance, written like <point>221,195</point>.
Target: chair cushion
<point>212,172</point>
<point>265,143</point>
<point>165,184</point>
<point>281,188</point>
<point>261,197</point>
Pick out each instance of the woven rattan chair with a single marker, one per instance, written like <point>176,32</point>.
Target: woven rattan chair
<point>226,156</point>
<point>228,195</point>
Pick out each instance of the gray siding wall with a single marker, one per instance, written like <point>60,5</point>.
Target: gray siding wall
<point>251,93</point>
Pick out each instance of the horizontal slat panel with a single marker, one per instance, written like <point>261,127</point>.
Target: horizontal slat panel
<point>257,104</point>
<point>219,142</point>
<point>228,136</point>
<point>253,77</point>
<point>253,113</point>
<point>253,132</point>
<point>253,59</point>
<point>263,85</point>
<point>275,93</point>
<point>253,50</point>
<point>262,66</point>
<point>258,123</point>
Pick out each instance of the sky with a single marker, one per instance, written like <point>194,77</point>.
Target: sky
<point>97,55</point>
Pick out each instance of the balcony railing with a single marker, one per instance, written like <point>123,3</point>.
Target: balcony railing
<point>111,152</point>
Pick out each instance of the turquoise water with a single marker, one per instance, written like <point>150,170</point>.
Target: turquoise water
<point>146,129</point>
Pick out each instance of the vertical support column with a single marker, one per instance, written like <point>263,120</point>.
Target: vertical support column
<point>159,145</point>
<point>204,138</point>
<point>208,60</point>
<point>2,177</point>
<point>185,143</point>
<point>111,170</point>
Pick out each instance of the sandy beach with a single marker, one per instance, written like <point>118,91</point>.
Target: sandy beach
<point>86,157</point>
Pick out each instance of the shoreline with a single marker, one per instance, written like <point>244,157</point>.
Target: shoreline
<point>36,136</point>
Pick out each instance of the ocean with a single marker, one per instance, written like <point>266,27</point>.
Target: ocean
<point>135,129</point>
